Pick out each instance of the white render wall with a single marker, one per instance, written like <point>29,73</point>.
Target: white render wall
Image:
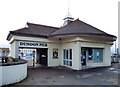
<point>76,56</point>
<point>107,55</point>
<point>75,46</point>
<point>74,43</point>
<point>51,61</point>
<point>12,74</point>
<point>14,49</point>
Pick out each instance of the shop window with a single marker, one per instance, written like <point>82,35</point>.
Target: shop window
<point>67,57</point>
<point>98,54</point>
<point>92,54</point>
<point>26,54</point>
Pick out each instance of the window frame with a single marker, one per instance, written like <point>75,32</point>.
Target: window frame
<point>67,58</point>
<point>93,54</point>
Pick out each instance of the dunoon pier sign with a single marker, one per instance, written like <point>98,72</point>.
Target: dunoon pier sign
<point>32,44</point>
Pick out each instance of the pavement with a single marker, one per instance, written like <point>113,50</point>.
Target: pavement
<point>66,76</point>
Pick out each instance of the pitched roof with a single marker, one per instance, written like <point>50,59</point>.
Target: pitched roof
<point>79,28</point>
<point>35,30</point>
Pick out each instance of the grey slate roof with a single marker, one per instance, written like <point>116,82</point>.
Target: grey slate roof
<point>41,29</point>
<point>77,28</point>
<point>35,30</point>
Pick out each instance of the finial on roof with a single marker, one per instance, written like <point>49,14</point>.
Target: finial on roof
<point>68,7</point>
<point>68,18</point>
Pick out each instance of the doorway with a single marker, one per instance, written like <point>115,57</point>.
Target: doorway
<point>42,54</point>
<point>83,58</point>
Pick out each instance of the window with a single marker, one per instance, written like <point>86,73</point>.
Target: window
<point>26,53</point>
<point>92,54</point>
<point>66,54</point>
<point>70,54</point>
<point>67,57</point>
<point>98,54</point>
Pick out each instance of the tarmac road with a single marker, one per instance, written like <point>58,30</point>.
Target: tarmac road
<point>65,76</point>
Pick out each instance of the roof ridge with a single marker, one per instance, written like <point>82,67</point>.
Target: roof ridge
<point>42,25</point>
<point>20,29</point>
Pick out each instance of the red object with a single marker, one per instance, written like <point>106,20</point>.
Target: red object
<point>81,59</point>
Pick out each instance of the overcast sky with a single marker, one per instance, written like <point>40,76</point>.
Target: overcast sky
<point>14,14</point>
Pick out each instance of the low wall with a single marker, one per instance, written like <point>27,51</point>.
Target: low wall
<point>13,72</point>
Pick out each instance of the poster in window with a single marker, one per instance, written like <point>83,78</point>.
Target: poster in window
<point>97,54</point>
<point>55,53</point>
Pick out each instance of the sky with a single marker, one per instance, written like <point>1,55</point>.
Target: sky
<point>14,14</point>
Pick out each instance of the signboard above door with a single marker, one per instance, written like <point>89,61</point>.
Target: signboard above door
<point>32,44</point>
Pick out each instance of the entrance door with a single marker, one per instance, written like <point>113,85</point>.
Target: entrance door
<point>43,56</point>
<point>83,58</point>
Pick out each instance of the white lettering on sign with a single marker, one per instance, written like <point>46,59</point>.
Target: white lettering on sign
<point>32,44</point>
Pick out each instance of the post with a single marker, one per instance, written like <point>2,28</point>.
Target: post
<point>33,58</point>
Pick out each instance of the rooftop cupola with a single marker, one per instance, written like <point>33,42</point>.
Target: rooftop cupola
<point>68,19</point>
